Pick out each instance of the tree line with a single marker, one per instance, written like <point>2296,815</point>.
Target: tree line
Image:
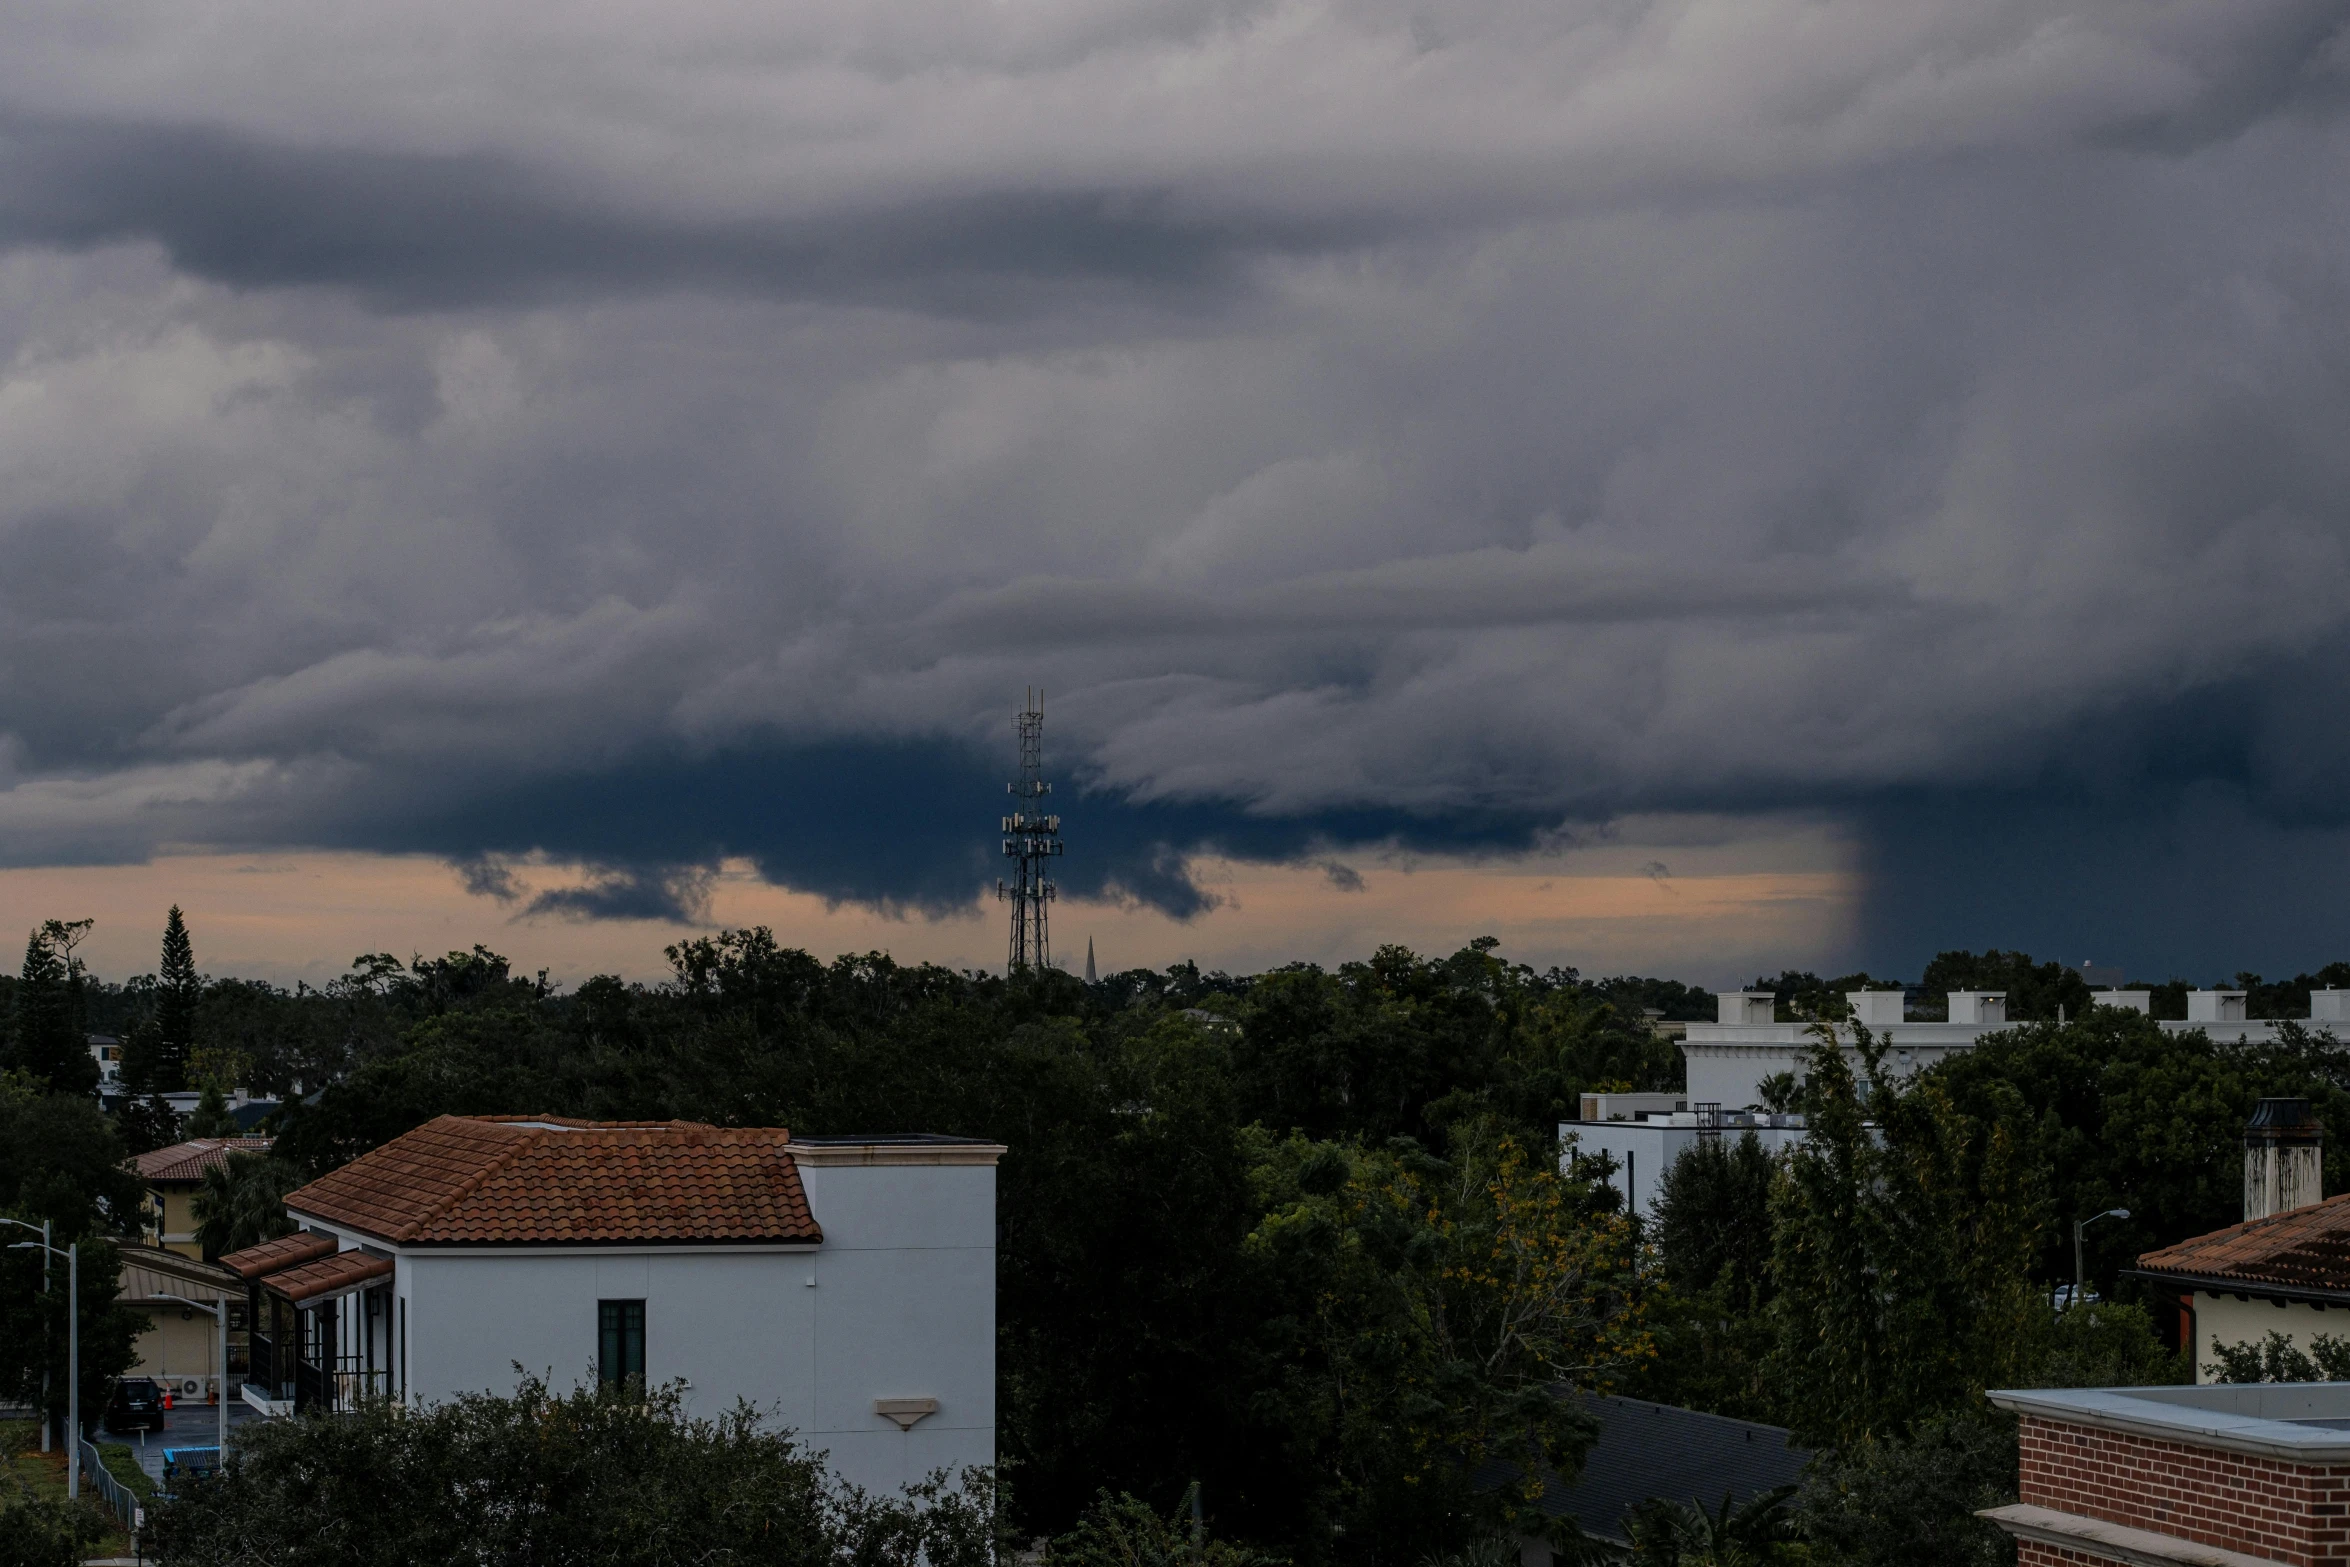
<point>1301,1248</point>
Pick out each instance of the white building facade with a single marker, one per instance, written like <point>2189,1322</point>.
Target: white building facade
<point>1729,1060</point>
<point>845,1288</point>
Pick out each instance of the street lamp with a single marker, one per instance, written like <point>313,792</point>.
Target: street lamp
<point>2080,1280</point>
<point>20,1224</point>
<point>73,1353</point>
<point>218,1309</point>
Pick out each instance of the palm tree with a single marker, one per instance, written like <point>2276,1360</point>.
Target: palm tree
<point>1752,1533</point>
<point>243,1203</point>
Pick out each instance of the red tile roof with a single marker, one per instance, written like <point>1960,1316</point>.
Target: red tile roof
<point>188,1161</point>
<point>336,1275</point>
<point>547,1181</point>
<point>2305,1248</point>
<point>284,1252</point>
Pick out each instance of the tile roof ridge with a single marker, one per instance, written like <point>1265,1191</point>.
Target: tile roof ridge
<point>514,1150</point>
<point>2243,1228</point>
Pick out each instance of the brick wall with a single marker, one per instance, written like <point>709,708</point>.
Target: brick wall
<point>2261,1506</point>
<point>2031,1553</point>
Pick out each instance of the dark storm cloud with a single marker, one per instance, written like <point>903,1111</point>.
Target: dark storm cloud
<point>680,433</point>
<point>425,231</point>
<point>907,825</point>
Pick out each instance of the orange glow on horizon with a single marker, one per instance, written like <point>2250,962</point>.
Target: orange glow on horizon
<point>305,915</point>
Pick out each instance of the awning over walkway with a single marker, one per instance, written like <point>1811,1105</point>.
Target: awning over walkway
<point>339,1274</point>
<point>273,1256</point>
<point>151,1273</point>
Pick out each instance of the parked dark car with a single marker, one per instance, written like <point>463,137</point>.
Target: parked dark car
<point>137,1405</point>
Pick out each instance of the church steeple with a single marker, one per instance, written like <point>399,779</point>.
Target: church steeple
<point>1089,979</point>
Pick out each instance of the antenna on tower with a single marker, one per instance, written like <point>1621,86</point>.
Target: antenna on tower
<point>1031,840</point>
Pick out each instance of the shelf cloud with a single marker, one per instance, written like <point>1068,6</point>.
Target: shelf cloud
<point>673,434</point>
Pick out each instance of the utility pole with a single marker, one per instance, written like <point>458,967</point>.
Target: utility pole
<point>1031,840</point>
<point>219,1309</point>
<point>2080,1274</point>
<point>73,1350</point>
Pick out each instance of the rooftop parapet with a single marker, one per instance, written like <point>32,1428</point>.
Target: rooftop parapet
<point>1876,1008</point>
<point>1978,1006</point>
<point>2215,1006</point>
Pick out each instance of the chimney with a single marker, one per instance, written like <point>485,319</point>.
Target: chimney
<point>1746,1006</point>
<point>2284,1158</point>
<point>1876,1008</point>
<point>1978,1007</point>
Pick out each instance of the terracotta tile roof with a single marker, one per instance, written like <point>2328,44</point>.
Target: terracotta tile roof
<point>2305,1248</point>
<point>546,1181</point>
<point>284,1252</point>
<point>336,1275</point>
<point>189,1160</point>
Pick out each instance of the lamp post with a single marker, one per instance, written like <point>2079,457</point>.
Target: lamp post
<point>2080,1276</point>
<point>20,1224</point>
<point>73,1352</point>
<point>219,1309</point>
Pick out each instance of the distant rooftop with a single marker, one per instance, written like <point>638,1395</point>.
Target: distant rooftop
<point>1661,1450</point>
<point>189,1160</point>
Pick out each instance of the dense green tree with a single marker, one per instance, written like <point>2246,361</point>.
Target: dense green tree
<point>1712,1231</point>
<point>2277,1358</point>
<point>1426,1316</point>
<point>37,1531</point>
<point>2284,998</point>
<point>60,1162</point>
<point>146,1123</point>
<point>1902,1235</point>
<point>1672,1001</point>
<point>2035,991</point>
<point>1125,1531</point>
<point>211,1117</point>
<point>593,1477</point>
<point>1909,1498</point>
<point>2125,1114</point>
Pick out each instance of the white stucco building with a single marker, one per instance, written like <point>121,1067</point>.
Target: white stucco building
<point>1728,1060</point>
<point>846,1287</point>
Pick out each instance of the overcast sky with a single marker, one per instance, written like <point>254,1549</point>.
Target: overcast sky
<point>626,440</point>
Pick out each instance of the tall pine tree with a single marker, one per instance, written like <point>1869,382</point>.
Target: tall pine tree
<point>46,1036</point>
<point>177,990</point>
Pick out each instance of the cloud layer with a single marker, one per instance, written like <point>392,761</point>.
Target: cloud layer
<point>655,433</point>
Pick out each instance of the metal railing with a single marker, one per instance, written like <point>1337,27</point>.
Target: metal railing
<point>120,1497</point>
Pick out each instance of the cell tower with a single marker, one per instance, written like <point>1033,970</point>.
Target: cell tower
<point>1031,840</point>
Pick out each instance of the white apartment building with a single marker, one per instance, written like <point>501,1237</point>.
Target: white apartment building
<point>1728,1060</point>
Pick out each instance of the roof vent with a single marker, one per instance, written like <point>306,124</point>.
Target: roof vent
<point>2284,1158</point>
